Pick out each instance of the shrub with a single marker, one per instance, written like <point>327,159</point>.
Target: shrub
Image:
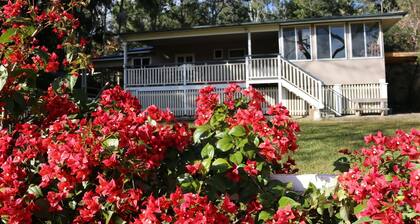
<point>384,178</point>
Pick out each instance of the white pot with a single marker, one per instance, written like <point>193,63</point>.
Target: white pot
<point>301,182</point>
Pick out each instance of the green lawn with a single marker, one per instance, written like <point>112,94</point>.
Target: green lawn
<point>320,141</point>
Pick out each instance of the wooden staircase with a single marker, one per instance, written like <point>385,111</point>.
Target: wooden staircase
<point>287,75</point>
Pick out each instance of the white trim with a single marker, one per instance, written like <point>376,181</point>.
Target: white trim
<point>214,53</point>
<point>185,55</point>
<point>235,49</point>
<point>380,39</point>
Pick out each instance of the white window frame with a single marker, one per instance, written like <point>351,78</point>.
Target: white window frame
<point>148,57</point>
<point>235,49</point>
<point>185,55</point>
<point>380,39</point>
<point>329,37</point>
<point>214,54</point>
<point>296,46</point>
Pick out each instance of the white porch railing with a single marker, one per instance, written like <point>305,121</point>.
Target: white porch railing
<point>186,74</point>
<point>293,78</point>
<point>253,70</point>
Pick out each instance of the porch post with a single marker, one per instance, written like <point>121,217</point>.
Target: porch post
<point>280,88</point>
<point>279,64</point>
<point>248,59</point>
<point>339,98</point>
<point>383,93</point>
<point>184,77</point>
<point>249,44</point>
<point>124,45</point>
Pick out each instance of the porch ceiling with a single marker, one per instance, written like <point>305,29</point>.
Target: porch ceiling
<point>216,39</point>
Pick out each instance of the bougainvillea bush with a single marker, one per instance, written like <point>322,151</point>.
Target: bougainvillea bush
<point>116,162</point>
<point>38,41</point>
<point>384,178</point>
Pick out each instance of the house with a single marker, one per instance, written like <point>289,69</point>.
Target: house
<point>328,65</point>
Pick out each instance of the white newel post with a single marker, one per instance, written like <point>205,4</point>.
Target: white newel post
<point>184,78</point>
<point>248,70</point>
<point>383,93</point>
<point>124,45</point>
<point>339,98</point>
<point>317,110</point>
<point>280,88</point>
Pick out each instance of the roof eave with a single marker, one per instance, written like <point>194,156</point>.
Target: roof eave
<point>251,27</point>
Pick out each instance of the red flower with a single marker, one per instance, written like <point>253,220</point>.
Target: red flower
<point>233,174</point>
<point>251,168</point>
<point>194,168</point>
<point>228,206</point>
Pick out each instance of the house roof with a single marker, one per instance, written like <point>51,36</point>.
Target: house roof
<point>388,19</point>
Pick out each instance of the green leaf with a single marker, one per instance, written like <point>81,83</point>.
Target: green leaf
<point>256,141</point>
<point>207,151</point>
<point>236,158</point>
<point>29,31</point>
<point>221,165</point>
<point>35,190</point>
<point>3,76</point>
<point>72,81</point>
<point>344,213</point>
<point>237,131</point>
<point>359,208</point>
<point>72,205</point>
<point>199,132</point>
<point>108,216</point>
<point>285,201</point>
<point>206,164</point>
<point>111,143</point>
<point>410,215</point>
<point>264,216</point>
<point>5,37</point>
<point>363,220</point>
<point>225,144</point>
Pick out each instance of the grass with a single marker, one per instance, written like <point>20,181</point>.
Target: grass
<point>319,141</point>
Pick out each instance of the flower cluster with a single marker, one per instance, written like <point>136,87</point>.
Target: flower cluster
<point>278,133</point>
<point>180,208</point>
<point>104,159</point>
<point>385,179</point>
<point>27,55</point>
<point>287,215</point>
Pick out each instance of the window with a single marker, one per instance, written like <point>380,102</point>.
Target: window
<point>218,54</point>
<point>141,62</point>
<point>365,40</point>
<point>236,53</point>
<point>297,43</point>
<point>330,42</point>
<point>184,59</point>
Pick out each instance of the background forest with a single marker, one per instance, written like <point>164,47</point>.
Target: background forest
<point>103,19</point>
